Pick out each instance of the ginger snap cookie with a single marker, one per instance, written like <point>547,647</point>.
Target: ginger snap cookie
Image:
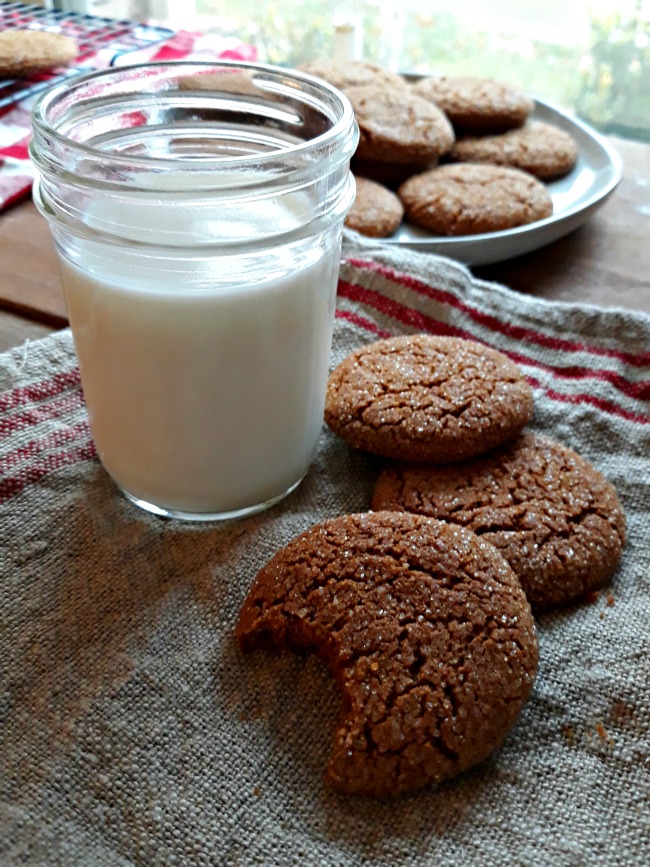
<point>478,104</point>
<point>376,211</point>
<point>387,173</point>
<point>540,148</point>
<point>426,631</point>
<point>398,126</point>
<point>426,398</point>
<point>556,520</point>
<point>354,73</point>
<point>24,52</point>
<point>469,199</point>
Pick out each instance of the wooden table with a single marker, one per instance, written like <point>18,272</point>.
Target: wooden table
<point>605,262</point>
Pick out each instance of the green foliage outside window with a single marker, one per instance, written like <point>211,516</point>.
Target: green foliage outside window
<point>608,83</point>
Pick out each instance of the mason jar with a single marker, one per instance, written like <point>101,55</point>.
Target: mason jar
<point>197,212</point>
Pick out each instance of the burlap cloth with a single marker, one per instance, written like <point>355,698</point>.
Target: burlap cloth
<point>132,731</point>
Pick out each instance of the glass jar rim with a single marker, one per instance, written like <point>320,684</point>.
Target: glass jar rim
<point>343,123</point>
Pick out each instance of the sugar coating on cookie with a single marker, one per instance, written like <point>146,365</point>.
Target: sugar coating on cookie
<point>470,199</point>
<point>353,73</point>
<point>23,52</point>
<point>398,126</point>
<point>540,148</point>
<point>376,211</point>
<point>479,104</point>
<point>425,629</point>
<point>556,520</point>
<point>427,398</point>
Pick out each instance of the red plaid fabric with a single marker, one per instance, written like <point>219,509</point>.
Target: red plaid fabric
<point>16,173</point>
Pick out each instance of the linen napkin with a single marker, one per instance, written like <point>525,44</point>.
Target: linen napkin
<point>16,171</point>
<point>133,731</point>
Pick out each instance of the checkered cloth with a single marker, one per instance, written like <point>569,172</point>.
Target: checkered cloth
<point>133,731</point>
<point>16,173</point>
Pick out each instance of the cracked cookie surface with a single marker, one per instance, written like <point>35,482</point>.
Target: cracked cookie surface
<point>539,148</point>
<point>480,104</point>
<point>427,398</point>
<point>397,126</point>
<point>472,198</point>
<point>551,514</point>
<point>425,629</point>
<point>353,73</point>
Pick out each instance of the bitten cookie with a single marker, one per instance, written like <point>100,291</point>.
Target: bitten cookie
<point>426,631</point>
<point>478,104</point>
<point>555,518</point>
<point>469,199</point>
<point>425,398</point>
<point>376,211</point>
<point>397,126</point>
<point>354,73</point>
<point>540,148</point>
<point>24,52</point>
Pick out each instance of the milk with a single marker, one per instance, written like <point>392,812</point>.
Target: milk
<point>205,392</point>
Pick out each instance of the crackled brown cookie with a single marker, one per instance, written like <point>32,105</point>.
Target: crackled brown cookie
<point>478,104</point>
<point>469,199</point>
<point>376,211</point>
<point>552,515</point>
<point>354,73</point>
<point>387,173</point>
<point>24,52</point>
<point>540,148</point>
<point>425,398</point>
<point>426,631</point>
<point>398,126</point>
<point>227,80</point>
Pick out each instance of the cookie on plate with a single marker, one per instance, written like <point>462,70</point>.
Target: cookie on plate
<point>387,173</point>
<point>376,211</point>
<point>478,104</point>
<point>539,148</point>
<point>397,126</point>
<point>426,398</point>
<point>25,52</point>
<point>556,520</point>
<point>354,73</point>
<point>426,631</point>
<point>469,199</point>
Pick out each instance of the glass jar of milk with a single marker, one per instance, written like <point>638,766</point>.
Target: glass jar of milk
<point>197,210</point>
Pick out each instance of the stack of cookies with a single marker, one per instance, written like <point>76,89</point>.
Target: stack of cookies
<point>422,607</point>
<point>454,155</point>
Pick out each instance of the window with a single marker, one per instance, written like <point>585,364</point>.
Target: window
<point>592,56</point>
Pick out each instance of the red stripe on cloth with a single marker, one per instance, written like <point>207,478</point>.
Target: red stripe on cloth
<point>38,391</point>
<point>637,359</point>
<point>416,319</point>
<point>40,413</point>
<point>598,402</point>
<point>13,485</point>
<point>35,449</point>
<point>355,319</point>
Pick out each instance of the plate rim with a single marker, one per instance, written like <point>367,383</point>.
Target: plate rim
<point>614,163</point>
